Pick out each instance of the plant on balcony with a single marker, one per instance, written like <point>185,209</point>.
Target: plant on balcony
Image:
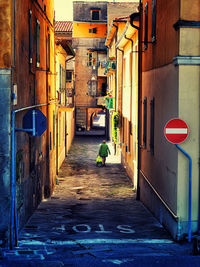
<point>115,125</point>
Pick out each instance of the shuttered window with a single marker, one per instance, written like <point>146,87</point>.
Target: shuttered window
<point>123,130</point>
<point>38,43</point>
<point>129,136</point>
<point>146,27</point>
<point>153,20</point>
<point>48,52</point>
<point>54,129</point>
<point>30,38</point>
<point>145,122</point>
<point>152,106</point>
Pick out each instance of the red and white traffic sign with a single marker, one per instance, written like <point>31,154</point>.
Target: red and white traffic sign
<point>176,131</point>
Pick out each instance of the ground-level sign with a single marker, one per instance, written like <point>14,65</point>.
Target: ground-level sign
<point>176,131</point>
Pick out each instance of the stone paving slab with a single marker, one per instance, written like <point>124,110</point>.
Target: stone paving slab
<point>93,219</point>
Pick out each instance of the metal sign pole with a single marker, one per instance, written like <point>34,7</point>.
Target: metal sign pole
<point>190,192</point>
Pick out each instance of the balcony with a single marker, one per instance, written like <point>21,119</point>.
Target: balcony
<point>110,66</point>
<point>106,101</point>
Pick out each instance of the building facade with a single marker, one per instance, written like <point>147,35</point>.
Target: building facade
<point>64,89</point>
<point>89,33</point>
<point>170,89</point>
<point>28,108</point>
<point>122,43</point>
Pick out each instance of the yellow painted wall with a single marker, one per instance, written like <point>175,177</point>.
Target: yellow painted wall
<point>81,30</point>
<point>130,103</point>
<point>190,10</point>
<point>189,89</point>
<point>189,44</point>
<point>70,128</point>
<point>61,116</point>
<point>176,93</point>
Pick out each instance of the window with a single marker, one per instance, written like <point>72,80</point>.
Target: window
<point>153,20</point>
<point>48,53</point>
<point>93,30</point>
<point>68,76</point>
<point>95,14</point>
<point>30,38</point>
<point>123,130</point>
<point>60,78</point>
<point>152,125</point>
<point>92,59</point>
<point>50,141</point>
<point>92,88</point>
<point>146,27</point>
<point>54,129</point>
<point>89,59</point>
<point>145,122</point>
<point>38,44</point>
<point>129,136</point>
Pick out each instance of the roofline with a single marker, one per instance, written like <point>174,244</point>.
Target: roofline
<point>91,21</point>
<point>111,26</point>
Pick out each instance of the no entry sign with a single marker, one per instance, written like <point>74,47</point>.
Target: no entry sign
<point>176,131</point>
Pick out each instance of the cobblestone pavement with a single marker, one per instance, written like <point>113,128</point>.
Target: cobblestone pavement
<point>93,219</point>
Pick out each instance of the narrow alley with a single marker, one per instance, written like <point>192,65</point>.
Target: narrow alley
<point>93,219</point>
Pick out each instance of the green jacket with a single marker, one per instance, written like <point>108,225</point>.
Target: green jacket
<point>104,150</point>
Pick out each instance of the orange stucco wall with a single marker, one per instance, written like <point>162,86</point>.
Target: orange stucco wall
<point>156,54</point>
<point>5,33</point>
<point>35,85</point>
<point>82,30</point>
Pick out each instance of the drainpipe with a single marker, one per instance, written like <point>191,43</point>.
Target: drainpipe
<point>134,15</point>
<point>13,182</point>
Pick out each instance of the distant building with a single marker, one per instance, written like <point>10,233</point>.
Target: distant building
<point>122,70</point>
<point>27,88</point>
<point>89,33</point>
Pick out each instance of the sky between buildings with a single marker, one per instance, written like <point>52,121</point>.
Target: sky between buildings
<point>64,8</point>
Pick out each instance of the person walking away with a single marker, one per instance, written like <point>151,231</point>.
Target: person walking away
<point>103,152</point>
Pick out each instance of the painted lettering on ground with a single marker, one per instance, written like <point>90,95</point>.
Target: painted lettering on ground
<point>85,228</point>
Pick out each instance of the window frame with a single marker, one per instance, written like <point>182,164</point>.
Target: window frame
<point>152,124</point>
<point>67,72</point>
<point>94,17</point>
<point>145,122</point>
